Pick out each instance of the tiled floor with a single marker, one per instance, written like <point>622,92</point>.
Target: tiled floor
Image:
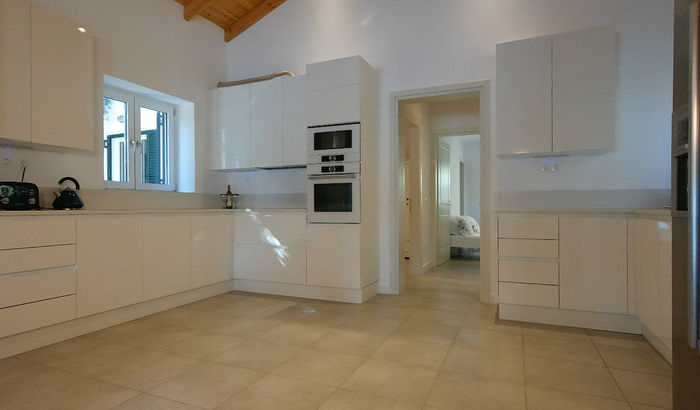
<point>433,347</point>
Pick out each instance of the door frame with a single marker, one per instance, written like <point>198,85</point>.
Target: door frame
<point>488,276</point>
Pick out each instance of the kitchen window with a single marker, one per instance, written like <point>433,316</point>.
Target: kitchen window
<point>138,135</point>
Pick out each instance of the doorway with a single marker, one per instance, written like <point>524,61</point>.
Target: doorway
<point>438,187</point>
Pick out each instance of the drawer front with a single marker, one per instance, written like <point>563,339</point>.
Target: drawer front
<point>546,273</point>
<point>529,248</point>
<point>18,319</point>
<point>528,227</point>
<point>20,260</point>
<point>259,228</point>
<point>527,294</point>
<point>25,232</point>
<point>16,289</point>
<point>285,265</point>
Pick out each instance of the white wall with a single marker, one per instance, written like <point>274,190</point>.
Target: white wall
<point>471,155</point>
<point>146,42</point>
<point>415,44</point>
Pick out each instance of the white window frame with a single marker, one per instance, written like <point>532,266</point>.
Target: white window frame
<point>135,149</point>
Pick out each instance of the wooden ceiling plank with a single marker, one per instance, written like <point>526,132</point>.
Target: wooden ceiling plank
<point>260,11</point>
<point>194,7</point>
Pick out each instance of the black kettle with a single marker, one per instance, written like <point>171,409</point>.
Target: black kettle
<point>68,198</point>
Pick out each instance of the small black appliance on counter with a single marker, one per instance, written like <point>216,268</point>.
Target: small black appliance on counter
<point>18,196</point>
<point>68,198</point>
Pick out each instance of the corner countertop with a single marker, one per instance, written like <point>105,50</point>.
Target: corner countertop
<point>657,212</point>
<point>79,212</point>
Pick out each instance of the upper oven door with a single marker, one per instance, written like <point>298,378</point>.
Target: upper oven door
<point>334,143</point>
<point>334,198</point>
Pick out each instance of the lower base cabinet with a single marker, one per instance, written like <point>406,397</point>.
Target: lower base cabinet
<point>271,264</point>
<point>212,249</point>
<point>333,255</point>
<point>167,255</point>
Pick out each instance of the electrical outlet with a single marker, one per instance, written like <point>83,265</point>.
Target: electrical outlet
<point>6,162</point>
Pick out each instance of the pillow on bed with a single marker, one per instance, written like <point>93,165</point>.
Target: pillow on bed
<point>474,224</point>
<point>459,225</point>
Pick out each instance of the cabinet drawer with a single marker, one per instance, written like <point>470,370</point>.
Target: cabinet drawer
<point>273,229</point>
<point>16,289</point>
<point>20,260</point>
<point>529,248</point>
<point>528,227</point>
<point>334,73</point>
<point>286,265</point>
<point>31,316</point>
<point>26,232</point>
<point>527,294</point>
<point>546,273</point>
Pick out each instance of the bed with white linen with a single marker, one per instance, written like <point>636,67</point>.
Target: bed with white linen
<point>465,232</point>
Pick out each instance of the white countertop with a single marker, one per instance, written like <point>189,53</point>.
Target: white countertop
<point>78,212</point>
<point>650,212</point>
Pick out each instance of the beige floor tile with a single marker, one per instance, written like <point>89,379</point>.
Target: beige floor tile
<point>640,359</point>
<point>149,402</point>
<point>349,342</point>
<point>320,367</point>
<point>601,337</point>
<point>119,331</point>
<point>310,314</point>
<point>645,388</point>
<point>91,361</point>
<point>371,324</point>
<point>539,398</point>
<point>555,332</point>
<point>277,392</point>
<point>62,350</point>
<point>204,345</point>
<point>637,406</point>
<point>189,318</point>
<point>83,394</point>
<point>446,305</point>
<point>485,320</point>
<point>207,385</point>
<point>425,332</point>
<point>486,364</point>
<point>245,327</point>
<point>155,336</point>
<point>144,369</point>
<point>560,349</point>
<point>258,355</point>
<point>466,392</point>
<point>405,299</point>
<point>490,340</point>
<point>394,380</point>
<point>294,334</point>
<point>21,381</point>
<point>384,312</point>
<point>350,400</point>
<point>570,376</point>
<point>428,316</point>
<point>397,349</point>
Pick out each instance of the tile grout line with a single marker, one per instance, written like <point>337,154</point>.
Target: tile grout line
<point>608,369</point>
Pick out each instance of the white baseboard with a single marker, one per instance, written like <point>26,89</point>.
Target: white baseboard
<point>23,342</point>
<point>661,347</point>
<point>574,318</point>
<point>306,291</point>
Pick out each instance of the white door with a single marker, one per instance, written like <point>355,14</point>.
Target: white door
<point>443,203</point>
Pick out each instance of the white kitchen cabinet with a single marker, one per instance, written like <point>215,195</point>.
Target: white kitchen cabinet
<point>271,264</point>
<point>270,228</point>
<point>593,264</point>
<point>293,121</point>
<point>15,70</point>
<point>63,96</point>
<point>556,94</point>
<point>212,249</point>
<point>524,96</point>
<point>266,123</point>
<point>583,90</point>
<point>230,127</point>
<point>109,263</point>
<point>336,105</point>
<point>167,255</point>
<point>333,251</point>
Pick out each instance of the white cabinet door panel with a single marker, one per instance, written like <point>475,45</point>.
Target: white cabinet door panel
<point>583,89</point>
<point>524,96</point>
<point>167,255</point>
<point>270,229</point>
<point>528,227</point>
<point>43,257</point>
<point>593,264</point>
<point>293,121</point>
<point>40,231</point>
<point>15,70</point>
<point>109,263</point>
<point>265,263</point>
<point>63,90</point>
<point>527,271</point>
<point>31,316</point>
<point>27,287</point>
<point>266,123</point>
<point>333,255</point>
<point>212,249</point>
<point>528,248</point>
<point>528,294</point>
<point>230,127</point>
<point>333,105</point>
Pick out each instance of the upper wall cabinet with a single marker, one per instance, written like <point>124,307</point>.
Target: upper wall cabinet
<point>556,94</point>
<point>47,93</point>
<point>259,125</point>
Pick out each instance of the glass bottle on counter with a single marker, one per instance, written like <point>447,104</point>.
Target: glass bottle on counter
<point>229,197</point>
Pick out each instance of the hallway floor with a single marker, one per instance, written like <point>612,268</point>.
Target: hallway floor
<point>433,347</point>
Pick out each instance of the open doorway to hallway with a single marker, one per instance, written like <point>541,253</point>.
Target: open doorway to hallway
<point>441,167</point>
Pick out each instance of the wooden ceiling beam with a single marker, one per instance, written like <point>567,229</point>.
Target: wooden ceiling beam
<point>194,7</point>
<point>250,18</point>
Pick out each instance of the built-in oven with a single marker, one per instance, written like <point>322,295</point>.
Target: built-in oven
<point>334,143</point>
<point>333,192</point>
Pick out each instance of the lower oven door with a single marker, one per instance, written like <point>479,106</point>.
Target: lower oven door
<point>334,198</point>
